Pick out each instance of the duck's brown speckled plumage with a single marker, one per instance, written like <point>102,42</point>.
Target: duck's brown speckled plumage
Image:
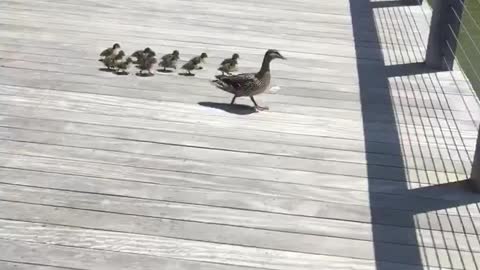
<point>242,85</point>
<point>249,84</point>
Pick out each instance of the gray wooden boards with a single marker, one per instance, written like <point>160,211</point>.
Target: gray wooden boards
<point>107,172</point>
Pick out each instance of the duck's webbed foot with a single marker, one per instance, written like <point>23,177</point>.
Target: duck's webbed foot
<point>260,108</point>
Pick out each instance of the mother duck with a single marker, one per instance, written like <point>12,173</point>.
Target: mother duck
<point>249,84</point>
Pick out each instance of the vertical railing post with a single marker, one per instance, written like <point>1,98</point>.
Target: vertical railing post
<point>444,28</point>
<point>475,176</point>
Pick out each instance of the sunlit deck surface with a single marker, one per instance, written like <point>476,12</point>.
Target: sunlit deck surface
<point>359,163</point>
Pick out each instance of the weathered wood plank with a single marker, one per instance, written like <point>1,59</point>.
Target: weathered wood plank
<point>156,180</point>
<point>286,103</point>
<point>289,80</point>
<point>197,222</point>
<point>208,234</point>
<point>235,161</point>
<point>144,184</point>
<point>177,248</point>
<point>408,147</point>
<point>429,117</point>
<point>41,253</point>
<point>187,113</point>
<point>172,143</point>
<point>194,135</point>
<point>300,43</point>
<point>290,97</point>
<point>21,129</point>
<point>236,179</point>
<point>326,18</point>
<point>298,62</point>
<point>6,265</point>
<point>202,80</point>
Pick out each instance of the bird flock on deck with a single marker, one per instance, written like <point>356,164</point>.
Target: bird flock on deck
<point>240,85</point>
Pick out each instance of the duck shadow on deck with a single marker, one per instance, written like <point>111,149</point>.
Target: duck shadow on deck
<point>376,76</point>
<point>238,109</point>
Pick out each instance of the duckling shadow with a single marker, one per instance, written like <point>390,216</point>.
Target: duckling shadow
<point>234,109</point>
<point>106,70</point>
<point>165,70</point>
<point>121,73</point>
<point>139,74</point>
<point>186,74</point>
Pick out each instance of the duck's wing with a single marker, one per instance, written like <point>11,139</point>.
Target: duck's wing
<point>119,56</point>
<point>226,61</point>
<point>167,60</point>
<point>167,57</point>
<point>239,78</point>
<point>189,65</point>
<point>106,52</point>
<point>137,54</point>
<point>240,81</point>
<point>195,60</point>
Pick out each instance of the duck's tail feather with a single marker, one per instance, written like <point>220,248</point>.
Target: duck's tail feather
<point>273,90</point>
<point>220,77</point>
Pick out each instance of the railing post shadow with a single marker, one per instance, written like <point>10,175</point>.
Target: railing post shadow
<point>475,176</point>
<point>444,29</point>
<point>442,45</point>
<point>412,2</point>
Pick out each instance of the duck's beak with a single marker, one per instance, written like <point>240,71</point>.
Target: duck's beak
<point>281,57</point>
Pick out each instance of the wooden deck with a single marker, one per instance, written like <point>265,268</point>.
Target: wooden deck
<point>359,164</point>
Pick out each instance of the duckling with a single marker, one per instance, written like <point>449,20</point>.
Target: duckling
<point>111,61</point>
<point>170,60</point>
<point>189,66</point>
<point>194,63</point>
<point>249,84</point>
<point>147,64</point>
<point>123,66</point>
<point>199,59</point>
<point>140,55</point>
<point>229,65</point>
<point>114,50</point>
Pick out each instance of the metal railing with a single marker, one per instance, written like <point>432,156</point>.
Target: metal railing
<point>444,45</point>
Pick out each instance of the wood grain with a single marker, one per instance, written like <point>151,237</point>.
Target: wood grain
<point>107,172</point>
